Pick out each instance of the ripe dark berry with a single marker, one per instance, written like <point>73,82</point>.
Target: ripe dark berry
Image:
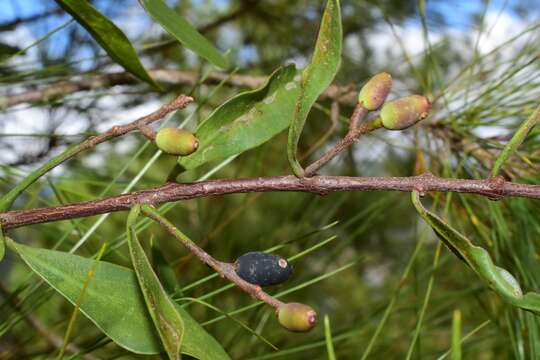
<point>263,269</point>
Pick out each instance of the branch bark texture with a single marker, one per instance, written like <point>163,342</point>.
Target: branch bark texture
<point>492,188</point>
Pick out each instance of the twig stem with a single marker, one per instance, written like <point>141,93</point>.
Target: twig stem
<point>354,133</point>
<point>316,184</point>
<point>178,103</point>
<point>226,270</point>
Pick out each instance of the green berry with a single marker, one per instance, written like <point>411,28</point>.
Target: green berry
<point>405,112</point>
<point>297,317</point>
<point>375,91</point>
<point>176,141</point>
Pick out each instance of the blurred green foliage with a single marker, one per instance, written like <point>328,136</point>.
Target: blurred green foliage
<point>481,95</point>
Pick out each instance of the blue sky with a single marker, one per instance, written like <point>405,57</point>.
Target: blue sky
<point>455,10</point>
<point>457,13</point>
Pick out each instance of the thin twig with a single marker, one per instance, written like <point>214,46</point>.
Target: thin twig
<point>321,185</point>
<point>178,103</point>
<point>171,77</point>
<point>226,270</point>
<point>334,118</point>
<point>354,133</point>
<point>357,116</point>
<point>148,132</point>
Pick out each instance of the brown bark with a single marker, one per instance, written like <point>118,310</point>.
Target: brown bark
<point>492,188</point>
<point>165,76</point>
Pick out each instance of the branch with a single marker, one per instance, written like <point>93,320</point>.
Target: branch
<point>165,76</point>
<point>226,270</point>
<point>178,103</point>
<point>353,134</point>
<point>492,188</point>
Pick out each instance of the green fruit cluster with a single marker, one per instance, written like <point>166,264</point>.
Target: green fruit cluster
<point>397,114</point>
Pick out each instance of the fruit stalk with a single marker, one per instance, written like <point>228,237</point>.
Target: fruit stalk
<point>226,270</point>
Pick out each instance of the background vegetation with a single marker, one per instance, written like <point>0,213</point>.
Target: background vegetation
<point>364,259</point>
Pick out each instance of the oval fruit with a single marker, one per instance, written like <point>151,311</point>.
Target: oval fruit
<point>263,269</point>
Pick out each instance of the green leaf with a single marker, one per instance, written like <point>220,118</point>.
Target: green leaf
<point>498,279</point>
<point>328,339</point>
<point>183,31</point>
<point>247,120</point>
<point>456,335</point>
<point>167,320</point>
<point>516,140</point>
<point>317,76</point>
<point>164,271</point>
<point>108,35</point>
<point>114,302</point>
<point>251,331</point>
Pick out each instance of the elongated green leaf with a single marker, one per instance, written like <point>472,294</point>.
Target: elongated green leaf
<point>183,31</point>
<point>164,271</point>
<point>167,320</point>
<point>328,339</point>
<point>456,335</point>
<point>108,35</point>
<point>516,140</point>
<point>498,279</point>
<point>247,120</point>
<point>114,302</point>
<point>317,76</point>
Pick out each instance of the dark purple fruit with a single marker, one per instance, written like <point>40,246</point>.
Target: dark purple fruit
<point>263,269</point>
